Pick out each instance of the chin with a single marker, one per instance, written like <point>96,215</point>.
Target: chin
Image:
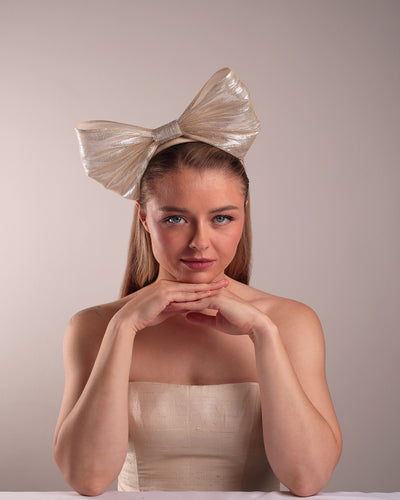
<point>206,277</point>
<point>198,277</point>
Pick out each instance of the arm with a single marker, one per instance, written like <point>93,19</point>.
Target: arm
<point>91,436</point>
<point>301,433</point>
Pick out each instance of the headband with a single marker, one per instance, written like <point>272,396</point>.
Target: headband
<point>117,154</point>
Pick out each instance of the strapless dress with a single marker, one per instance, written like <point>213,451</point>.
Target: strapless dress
<point>195,438</point>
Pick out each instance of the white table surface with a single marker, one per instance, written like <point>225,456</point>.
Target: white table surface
<point>193,495</point>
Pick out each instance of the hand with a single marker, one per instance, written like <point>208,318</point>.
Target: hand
<point>154,303</point>
<point>233,315</point>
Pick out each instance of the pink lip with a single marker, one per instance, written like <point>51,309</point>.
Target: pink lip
<point>198,264</point>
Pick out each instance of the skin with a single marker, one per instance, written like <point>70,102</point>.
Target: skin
<point>196,326</point>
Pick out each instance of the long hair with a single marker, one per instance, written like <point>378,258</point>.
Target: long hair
<point>142,268</point>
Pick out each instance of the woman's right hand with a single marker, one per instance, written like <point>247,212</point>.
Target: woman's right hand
<point>154,303</point>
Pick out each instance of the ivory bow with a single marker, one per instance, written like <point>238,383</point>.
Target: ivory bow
<point>117,154</point>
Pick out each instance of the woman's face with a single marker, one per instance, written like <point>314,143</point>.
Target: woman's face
<point>195,220</point>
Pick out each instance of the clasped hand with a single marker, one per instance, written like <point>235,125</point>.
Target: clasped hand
<point>209,304</point>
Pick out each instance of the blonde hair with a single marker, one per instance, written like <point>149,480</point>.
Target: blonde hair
<point>142,267</point>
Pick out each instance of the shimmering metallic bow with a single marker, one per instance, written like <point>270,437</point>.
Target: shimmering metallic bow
<point>117,154</point>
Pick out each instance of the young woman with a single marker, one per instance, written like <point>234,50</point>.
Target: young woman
<point>193,380</point>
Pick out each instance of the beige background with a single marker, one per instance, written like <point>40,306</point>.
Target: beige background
<point>325,81</point>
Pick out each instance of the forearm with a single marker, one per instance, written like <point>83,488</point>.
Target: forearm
<point>91,444</point>
<point>300,445</point>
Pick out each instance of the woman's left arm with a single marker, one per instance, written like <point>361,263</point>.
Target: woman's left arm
<point>301,433</point>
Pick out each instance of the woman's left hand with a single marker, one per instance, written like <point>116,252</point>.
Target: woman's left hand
<point>233,316</point>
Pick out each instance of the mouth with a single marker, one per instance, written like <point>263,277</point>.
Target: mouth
<point>198,264</point>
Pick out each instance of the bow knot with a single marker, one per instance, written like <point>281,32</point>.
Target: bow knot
<point>167,132</point>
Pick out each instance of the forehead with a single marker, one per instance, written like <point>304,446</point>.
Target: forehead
<point>189,185</point>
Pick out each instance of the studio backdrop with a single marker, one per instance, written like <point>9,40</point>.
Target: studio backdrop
<point>324,77</point>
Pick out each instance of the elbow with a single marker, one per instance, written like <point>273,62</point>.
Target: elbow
<point>309,485</point>
<point>305,489</point>
<point>90,490</point>
<point>86,483</point>
<point>308,481</point>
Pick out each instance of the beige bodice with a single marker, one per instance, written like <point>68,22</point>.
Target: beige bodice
<point>195,437</point>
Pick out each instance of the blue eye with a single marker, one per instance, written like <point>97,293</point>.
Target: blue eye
<point>174,219</point>
<point>223,219</point>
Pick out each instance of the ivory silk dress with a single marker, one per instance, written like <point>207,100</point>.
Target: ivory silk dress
<point>195,438</point>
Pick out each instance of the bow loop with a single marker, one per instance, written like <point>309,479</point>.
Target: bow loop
<point>115,154</point>
<point>221,114</point>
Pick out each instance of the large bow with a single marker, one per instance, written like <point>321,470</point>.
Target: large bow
<point>117,154</point>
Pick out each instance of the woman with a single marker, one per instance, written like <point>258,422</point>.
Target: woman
<point>193,380</point>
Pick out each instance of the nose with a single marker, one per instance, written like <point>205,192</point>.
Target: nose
<point>200,238</point>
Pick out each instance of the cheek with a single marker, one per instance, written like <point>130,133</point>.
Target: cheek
<point>238,232</point>
<point>230,240</point>
<point>163,240</point>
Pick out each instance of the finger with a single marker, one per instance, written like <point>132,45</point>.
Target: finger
<point>220,284</point>
<point>195,305</point>
<point>200,287</point>
<point>189,297</point>
<point>183,307</point>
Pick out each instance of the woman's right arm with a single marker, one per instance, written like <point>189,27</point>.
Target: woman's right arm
<point>91,436</point>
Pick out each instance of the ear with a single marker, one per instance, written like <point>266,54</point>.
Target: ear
<point>142,216</point>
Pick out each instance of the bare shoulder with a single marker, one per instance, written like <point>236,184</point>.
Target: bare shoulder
<point>96,318</point>
<point>287,313</point>
<point>294,319</point>
<point>85,332</point>
<point>300,332</point>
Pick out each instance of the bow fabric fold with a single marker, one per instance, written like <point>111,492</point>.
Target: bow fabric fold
<point>117,154</point>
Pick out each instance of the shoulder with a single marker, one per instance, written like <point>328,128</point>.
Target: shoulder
<point>287,313</point>
<point>300,331</point>
<point>91,317</point>
<point>97,317</point>
<point>85,332</point>
<point>296,321</point>
<point>279,308</point>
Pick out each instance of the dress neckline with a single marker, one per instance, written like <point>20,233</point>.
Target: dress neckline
<point>144,382</point>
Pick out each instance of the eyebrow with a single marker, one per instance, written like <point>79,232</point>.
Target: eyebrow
<point>169,208</point>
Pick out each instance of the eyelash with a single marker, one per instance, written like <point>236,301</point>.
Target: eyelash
<point>168,220</point>
<point>228,218</point>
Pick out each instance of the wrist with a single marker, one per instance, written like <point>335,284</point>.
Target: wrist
<point>264,333</point>
<point>121,325</point>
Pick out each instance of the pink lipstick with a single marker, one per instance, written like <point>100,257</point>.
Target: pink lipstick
<point>198,264</point>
